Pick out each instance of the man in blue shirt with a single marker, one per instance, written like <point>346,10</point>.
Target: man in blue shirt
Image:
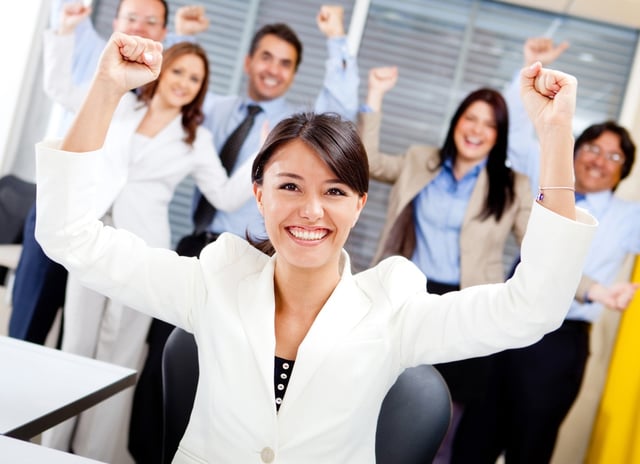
<point>533,388</point>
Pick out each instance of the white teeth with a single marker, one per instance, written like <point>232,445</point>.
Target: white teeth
<point>307,234</point>
<point>594,172</point>
<point>270,81</point>
<point>474,140</point>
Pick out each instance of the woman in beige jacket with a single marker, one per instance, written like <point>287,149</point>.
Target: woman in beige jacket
<point>451,210</point>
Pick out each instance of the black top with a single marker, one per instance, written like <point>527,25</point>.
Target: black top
<point>281,376</point>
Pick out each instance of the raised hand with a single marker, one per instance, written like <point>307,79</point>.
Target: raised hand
<point>542,49</point>
<point>381,80</point>
<point>191,20</point>
<point>129,62</point>
<point>330,20</point>
<point>71,15</point>
<point>549,96</point>
<point>550,99</point>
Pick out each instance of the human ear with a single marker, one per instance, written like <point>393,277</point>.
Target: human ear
<point>257,192</point>
<point>359,206</point>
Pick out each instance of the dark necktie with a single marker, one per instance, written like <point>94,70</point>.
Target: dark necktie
<point>205,211</point>
<point>580,197</point>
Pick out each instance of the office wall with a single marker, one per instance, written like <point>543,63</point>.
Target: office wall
<point>20,37</point>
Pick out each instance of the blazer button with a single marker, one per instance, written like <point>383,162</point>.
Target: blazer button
<point>267,455</point>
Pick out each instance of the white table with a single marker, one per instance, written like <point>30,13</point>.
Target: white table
<point>41,387</point>
<point>16,451</point>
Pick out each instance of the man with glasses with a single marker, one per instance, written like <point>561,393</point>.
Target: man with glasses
<point>531,389</point>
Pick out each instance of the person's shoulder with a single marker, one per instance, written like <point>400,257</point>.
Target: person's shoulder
<point>396,277</point>
<point>229,250</point>
<point>204,135</point>
<point>422,155</point>
<point>627,208</point>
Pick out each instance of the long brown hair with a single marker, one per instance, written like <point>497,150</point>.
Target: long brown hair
<point>192,115</point>
<point>501,178</point>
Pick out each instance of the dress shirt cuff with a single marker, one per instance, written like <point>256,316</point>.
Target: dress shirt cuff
<point>337,47</point>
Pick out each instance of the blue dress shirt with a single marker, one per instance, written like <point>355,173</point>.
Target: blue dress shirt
<point>439,210</point>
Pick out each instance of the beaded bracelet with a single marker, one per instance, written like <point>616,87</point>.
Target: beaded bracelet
<point>541,190</point>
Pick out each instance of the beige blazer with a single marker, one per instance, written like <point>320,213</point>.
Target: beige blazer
<point>482,242</point>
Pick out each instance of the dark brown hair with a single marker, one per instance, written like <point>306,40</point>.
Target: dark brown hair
<point>281,31</point>
<point>192,115</point>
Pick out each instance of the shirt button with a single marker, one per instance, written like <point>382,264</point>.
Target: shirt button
<point>267,455</point>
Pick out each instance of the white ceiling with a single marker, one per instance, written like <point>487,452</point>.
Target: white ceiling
<point>621,12</point>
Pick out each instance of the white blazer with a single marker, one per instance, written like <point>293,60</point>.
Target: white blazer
<point>374,325</point>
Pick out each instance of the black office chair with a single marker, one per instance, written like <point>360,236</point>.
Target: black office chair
<point>179,383</point>
<point>413,420</point>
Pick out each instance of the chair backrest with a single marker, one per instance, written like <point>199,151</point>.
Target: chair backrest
<point>413,420</point>
<point>180,374</point>
<point>414,417</point>
<point>16,198</point>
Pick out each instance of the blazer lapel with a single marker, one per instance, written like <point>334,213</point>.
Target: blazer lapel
<point>343,311</point>
<point>256,305</point>
<point>476,201</point>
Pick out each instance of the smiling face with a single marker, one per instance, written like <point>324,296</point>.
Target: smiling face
<point>270,68</point>
<point>596,172</point>
<point>308,212</point>
<point>181,81</point>
<point>475,133</point>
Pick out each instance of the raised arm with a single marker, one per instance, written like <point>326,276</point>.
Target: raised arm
<point>550,99</point>
<point>63,82</point>
<point>382,167</point>
<point>523,150</point>
<point>226,193</point>
<point>339,93</point>
<point>126,63</point>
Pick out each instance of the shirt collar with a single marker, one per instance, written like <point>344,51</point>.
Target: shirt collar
<point>473,172</point>
<point>269,107</point>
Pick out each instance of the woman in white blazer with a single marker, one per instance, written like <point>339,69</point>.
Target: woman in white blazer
<point>153,142</point>
<point>341,339</point>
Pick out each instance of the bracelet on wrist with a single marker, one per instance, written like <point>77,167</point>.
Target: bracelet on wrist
<point>541,190</point>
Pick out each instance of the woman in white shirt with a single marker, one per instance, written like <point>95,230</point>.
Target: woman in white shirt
<point>292,297</point>
<point>153,142</point>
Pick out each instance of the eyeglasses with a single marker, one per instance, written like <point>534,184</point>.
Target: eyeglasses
<point>595,150</point>
<point>150,21</point>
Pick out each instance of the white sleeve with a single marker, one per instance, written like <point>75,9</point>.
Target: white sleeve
<point>223,192</point>
<point>485,319</point>
<point>58,80</point>
<point>113,262</point>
